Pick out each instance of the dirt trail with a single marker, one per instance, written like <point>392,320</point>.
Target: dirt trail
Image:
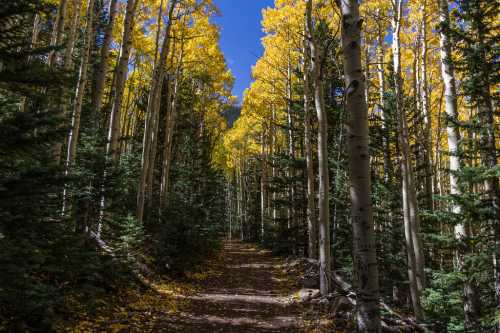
<point>246,296</point>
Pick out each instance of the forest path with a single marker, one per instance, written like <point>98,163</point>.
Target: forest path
<point>248,293</point>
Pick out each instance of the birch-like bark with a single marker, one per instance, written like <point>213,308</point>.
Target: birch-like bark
<point>426,110</point>
<point>119,82</point>
<point>451,109</point>
<point>156,116</point>
<point>74,132</point>
<point>408,191</point>
<point>312,221</point>
<point>323,203</point>
<point>271,153</point>
<point>167,152</point>
<point>68,66</point>
<point>381,93</point>
<point>80,87</point>
<point>102,71</point>
<point>365,254</point>
<point>167,146</point>
<point>150,130</point>
<point>291,146</point>
<point>263,188</point>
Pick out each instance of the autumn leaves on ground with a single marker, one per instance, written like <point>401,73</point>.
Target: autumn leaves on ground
<point>243,289</point>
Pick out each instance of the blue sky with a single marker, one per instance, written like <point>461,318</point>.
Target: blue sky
<point>240,37</point>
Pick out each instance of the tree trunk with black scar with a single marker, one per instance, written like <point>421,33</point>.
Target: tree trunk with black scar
<point>453,133</point>
<point>151,124</point>
<point>410,209</point>
<point>324,187</point>
<point>365,258</point>
<point>312,221</point>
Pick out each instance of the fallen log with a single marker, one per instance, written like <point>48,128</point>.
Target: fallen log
<point>398,324</point>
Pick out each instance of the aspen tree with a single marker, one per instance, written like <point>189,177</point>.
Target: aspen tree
<point>150,130</point>
<point>263,185</point>
<point>68,66</point>
<point>169,131</point>
<point>454,137</point>
<point>425,103</point>
<point>410,210</point>
<point>312,222</point>
<point>121,72</point>
<point>74,132</point>
<point>324,187</point>
<point>365,259</point>
<point>102,70</point>
<point>80,87</point>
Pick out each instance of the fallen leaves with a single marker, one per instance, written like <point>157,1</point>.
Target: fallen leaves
<point>131,309</point>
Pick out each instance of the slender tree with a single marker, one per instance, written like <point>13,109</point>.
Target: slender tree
<point>324,183</point>
<point>365,254</point>
<point>150,131</point>
<point>312,222</point>
<point>102,70</point>
<point>121,72</point>
<point>410,209</point>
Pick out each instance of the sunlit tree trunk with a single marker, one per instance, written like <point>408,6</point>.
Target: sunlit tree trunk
<point>263,187</point>
<point>291,146</point>
<point>150,130</point>
<point>415,260</point>
<point>312,221</point>
<point>271,153</point>
<point>381,98</point>
<point>156,117</point>
<point>80,87</point>
<point>448,75</point>
<point>118,88</point>
<point>169,131</point>
<point>426,110</point>
<point>323,203</point>
<point>365,254</point>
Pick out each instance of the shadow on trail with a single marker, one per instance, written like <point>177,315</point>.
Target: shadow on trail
<point>244,298</point>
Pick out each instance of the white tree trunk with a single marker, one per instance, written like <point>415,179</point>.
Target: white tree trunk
<point>263,187</point>
<point>312,221</point>
<point>408,191</point>
<point>151,124</point>
<point>120,78</point>
<point>365,253</point>
<point>74,132</point>
<point>80,87</point>
<point>324,183</point>
<point>426,110</point>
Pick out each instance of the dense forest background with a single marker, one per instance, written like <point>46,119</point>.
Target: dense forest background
<point>368,144</point>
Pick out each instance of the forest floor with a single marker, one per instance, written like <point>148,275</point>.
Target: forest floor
<point>247,293</point>
<point>244,289</point>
